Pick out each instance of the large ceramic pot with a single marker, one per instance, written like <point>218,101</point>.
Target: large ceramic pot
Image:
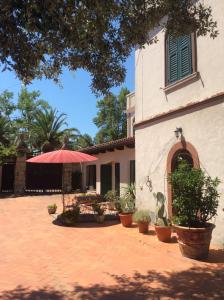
<point>163,233</point>
<point>194,242</point>
<point>126,219</point>
<point>143,227</point>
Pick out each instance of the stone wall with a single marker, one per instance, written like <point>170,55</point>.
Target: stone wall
<point>20,175</point>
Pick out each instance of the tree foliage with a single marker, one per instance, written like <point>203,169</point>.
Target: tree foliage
<point>83,141</point>
<point>195,196</point>
<point>42,126</point>
<point>38,38</point>
<point>111,117</point>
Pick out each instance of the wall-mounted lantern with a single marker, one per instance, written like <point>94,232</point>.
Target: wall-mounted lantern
<point>178,132</point>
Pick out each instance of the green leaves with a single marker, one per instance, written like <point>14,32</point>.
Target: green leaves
<point>39,38</point>
<point>195,195</point>
<point>111,117</point>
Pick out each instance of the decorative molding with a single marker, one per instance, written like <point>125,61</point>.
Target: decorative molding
<point>182,109</point>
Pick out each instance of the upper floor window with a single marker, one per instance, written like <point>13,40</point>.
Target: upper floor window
<point>180,57</point>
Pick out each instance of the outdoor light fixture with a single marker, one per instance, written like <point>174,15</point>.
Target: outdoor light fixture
<point>149,183</point>
<point>178,132</point>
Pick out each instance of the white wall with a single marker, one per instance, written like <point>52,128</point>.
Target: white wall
<point>204,128</point>
<point>150,72</point>
<point>118,156</point>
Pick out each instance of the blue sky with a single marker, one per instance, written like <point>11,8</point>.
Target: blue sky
<point>75,98</point>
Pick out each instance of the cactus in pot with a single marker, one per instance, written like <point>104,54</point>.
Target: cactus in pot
<point>162,224</point>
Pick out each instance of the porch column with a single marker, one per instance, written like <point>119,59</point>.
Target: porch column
<point>98,175</point>
<point>113,175</point>
<point>67,177</point>
<point>83,170</point>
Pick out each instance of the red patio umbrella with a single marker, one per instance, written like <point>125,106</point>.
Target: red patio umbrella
<point>62,157</point>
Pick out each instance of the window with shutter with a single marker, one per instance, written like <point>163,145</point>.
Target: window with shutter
<point>178,58</point>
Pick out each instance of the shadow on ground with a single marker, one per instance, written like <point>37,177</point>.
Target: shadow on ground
<point>89,224</point>
<point>195,283</point>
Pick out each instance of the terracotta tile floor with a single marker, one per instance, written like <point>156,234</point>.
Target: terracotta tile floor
<point>40,260</point>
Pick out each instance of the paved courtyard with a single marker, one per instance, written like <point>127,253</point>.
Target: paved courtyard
<point>40,260</point>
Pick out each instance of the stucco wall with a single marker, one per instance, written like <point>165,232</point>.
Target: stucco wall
<point>150,72</point>
<point>202,128</point>
<point>118,156</point>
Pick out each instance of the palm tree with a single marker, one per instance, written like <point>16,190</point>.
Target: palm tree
<point>47,129</point>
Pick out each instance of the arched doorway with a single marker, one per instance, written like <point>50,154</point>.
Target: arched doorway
<point>180,151</point>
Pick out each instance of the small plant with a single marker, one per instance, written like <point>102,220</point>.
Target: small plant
<point>98,209</point>
<point>142,216</point>
<point>111,196</point>
<point>52,208</point>
<point>161,214</point>
<point>195,196</point>
<point>129,191</point>
<point>126,204</point>
<point>71,216</point>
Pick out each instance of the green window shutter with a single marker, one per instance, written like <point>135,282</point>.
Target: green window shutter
<point>185,56</point>
<point>179,58</point>
<point>172,47</point>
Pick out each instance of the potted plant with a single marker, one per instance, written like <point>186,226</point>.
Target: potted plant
<point>112,198</point>
<point>195,202</point>
<point>126,210</point>
<point>142,218</point>
<point>52,208</point>
<point>70,217</point>
<point>162,224</point>
<point>99,210</point>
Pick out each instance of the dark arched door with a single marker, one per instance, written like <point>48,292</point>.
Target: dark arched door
<point>178,153</point>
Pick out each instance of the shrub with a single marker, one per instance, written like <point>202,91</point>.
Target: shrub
<point>71,216</point>
<point>98,209</point>
<point>141,216</point>
<point>111,196</point>
<point>195,196</point>
<point>52,206</point>
<point>126,204</point>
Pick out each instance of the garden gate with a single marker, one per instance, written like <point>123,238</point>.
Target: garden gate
<point>43,178</point>
<point>8,176</point>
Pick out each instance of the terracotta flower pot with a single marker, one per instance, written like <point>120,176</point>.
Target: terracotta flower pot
<point>143,227</point>
<point>194,242</point>
<point>163,233</point>
<point>52,210</point>
<point>126,219</point>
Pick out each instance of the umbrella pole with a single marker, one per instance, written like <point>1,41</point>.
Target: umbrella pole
<point>63,196</point>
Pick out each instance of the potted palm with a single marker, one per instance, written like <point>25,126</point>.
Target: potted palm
<point>142,218</point>
<point>162,224</point>
<point>126,205</point>
<point>52,208</point>
<point>195,202</point>
<point>99,212</point>
<point>126,210</point>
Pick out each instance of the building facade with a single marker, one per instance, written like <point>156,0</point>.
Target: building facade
<point>115,165</point>
<point>179,110</point>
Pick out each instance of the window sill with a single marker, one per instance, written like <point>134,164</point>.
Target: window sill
<point>180,83</point>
